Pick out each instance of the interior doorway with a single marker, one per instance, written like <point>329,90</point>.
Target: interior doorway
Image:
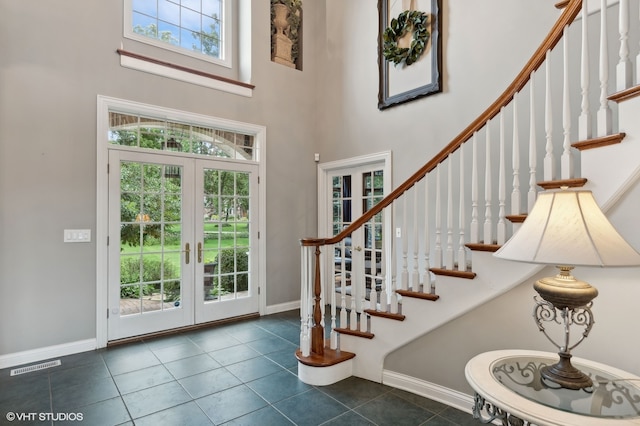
<point>347,189</point>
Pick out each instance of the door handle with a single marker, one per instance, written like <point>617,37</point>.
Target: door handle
<point>187,251</point>
<point>357,248</point>
<point>199,252</point>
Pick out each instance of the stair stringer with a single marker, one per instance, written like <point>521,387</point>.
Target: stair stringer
<point>457,297</point>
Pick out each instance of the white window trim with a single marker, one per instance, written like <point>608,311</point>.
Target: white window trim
<point>106,104</point>
<point>227,46</point>
<point>187,77</point>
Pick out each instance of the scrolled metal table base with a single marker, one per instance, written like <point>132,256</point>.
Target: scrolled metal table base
<point>486,412</point>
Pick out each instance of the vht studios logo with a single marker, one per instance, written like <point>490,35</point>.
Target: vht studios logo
<point>43,417</point>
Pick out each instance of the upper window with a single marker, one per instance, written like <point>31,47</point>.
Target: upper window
<point>199,28</point>
<point>155,133</point>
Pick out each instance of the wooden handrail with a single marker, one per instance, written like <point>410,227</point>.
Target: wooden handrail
<point>568,15</point>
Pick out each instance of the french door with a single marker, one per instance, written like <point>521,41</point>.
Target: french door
<point>182,241</point>
<point>353,191</point>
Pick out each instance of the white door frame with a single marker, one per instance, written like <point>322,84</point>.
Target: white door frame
<point>324,203</point>
<point>104,105</point>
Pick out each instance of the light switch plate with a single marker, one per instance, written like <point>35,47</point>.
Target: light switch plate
<point>77,235</point>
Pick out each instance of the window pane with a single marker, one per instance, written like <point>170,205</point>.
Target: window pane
<point>145,6</point>
<point>169,12</point>
<point>190,40</point>
<point>193,25</point>
<point>168,33</point>
<point>212,8</point>
<point>190,20</point>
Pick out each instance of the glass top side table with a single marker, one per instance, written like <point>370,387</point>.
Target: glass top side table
<point>509,387</point>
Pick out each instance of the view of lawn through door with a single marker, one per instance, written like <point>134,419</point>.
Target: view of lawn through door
<point>151,231</point>
<point>150,237</point>
<point>226,234</point>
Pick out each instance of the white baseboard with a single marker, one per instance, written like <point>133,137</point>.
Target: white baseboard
<point>41,354</point>
<point>453,398</point>
<point>283,307</point>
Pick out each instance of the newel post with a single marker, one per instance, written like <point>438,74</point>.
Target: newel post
<point>317,331</point>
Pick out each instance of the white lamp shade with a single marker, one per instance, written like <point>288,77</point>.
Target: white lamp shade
<point>567,227</point>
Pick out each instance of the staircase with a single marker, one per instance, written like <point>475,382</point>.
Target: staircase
<point>441,226</point>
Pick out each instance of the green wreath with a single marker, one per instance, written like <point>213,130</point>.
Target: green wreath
<point>398,28</point>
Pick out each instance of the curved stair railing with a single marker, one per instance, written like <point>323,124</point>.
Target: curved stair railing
<point>437,215</point>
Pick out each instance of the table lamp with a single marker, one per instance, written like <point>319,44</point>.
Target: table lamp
<point>566,228</point>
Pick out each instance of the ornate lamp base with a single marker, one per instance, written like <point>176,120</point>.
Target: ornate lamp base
<point>566,301</point>
<point>566,375</point>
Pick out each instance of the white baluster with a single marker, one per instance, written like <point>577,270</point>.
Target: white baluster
<point>448,262</point>
<point>623,69</point>
<point>584,122</point>
<point>426,279</point>
<point>604,113</point>
<point>333,335</point>
<point>566,160</point>
<point>488,217</point>
<point>462,252</point>
<point>437,261</point>
<point>393,304</point>
<point>415,275</point>
<point>473,232</point>
<point>383,270</point>
<point>305,343</point>
<point>343,286</point>
<point>531,198</point>
<point>502,226</point>
<point>404,281</point>
<point>515,161</point>
<point>549,160</point>
<point>353,316</point>
<point>387,226</point>
<point>373,294</point>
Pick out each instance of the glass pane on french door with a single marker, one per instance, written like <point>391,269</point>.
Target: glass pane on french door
<point>150,237</point>
<point>358,260</point>
<point>150,227</point>
<point>227,234</point>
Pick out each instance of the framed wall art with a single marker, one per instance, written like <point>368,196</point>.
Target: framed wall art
<point>409,50</point>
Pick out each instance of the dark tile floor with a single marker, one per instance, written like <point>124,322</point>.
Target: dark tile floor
<point>236,374</point>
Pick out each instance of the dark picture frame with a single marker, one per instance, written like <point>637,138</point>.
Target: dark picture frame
<point>400,84</point>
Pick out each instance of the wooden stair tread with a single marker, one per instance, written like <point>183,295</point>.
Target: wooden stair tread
<point>449,273</point>
<point>482,247</point>
<point>418,295</point>
<point>626,94</point>
<point>374,313</point>
<point>556,184</point>
<point>329,358</point>
<point>516,218</point>
<point>599,142</point>
<point>357,333</point>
